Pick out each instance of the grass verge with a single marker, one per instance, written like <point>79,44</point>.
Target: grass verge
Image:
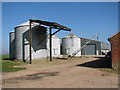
<point>7,66</point>
<point>4,56</point>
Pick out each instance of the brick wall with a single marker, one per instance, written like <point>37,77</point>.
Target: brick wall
<point>115,48</point>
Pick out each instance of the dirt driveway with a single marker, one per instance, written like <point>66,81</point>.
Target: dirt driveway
<point>60,74</point>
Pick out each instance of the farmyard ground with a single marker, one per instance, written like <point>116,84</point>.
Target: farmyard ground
<point>64,74</point>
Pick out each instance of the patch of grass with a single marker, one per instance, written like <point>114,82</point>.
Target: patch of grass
<point>7,66</point>
<point>4,56</point>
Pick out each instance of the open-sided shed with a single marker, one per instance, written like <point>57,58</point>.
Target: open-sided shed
<point>51,25</point>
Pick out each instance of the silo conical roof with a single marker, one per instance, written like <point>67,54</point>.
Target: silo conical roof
<point>71,36</point>
<point>27,23</point>
<point>12,31</point>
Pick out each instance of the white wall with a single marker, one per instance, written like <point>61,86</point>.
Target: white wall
<point>55,47</point>
<point>105,51</point>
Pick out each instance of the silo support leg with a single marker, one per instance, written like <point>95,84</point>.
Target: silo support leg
<point>30,43</point>
<point>50,44</point>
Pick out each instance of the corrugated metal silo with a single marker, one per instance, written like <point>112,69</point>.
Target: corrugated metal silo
<point>55,46</point>
<point>12,45</point>
<point>22,41</point>
<point>70,44</point>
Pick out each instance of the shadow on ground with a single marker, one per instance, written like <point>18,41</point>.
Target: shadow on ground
<point>8,59</point>
<point>99,63</point>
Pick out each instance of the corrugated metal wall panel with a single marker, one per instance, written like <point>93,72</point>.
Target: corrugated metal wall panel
<point>55,47</point>
<point>89,50</point>
<point>93,42</point>
<point>105,46</point>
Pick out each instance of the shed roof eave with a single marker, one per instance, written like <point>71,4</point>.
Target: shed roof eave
<point>54,24</point>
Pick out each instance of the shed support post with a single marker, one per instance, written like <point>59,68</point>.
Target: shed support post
<point>30,42</point>
<point>50,44</point>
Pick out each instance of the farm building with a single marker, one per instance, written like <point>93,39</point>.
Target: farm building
<point>70,44</point>
<point>92,48</point>
<point>55,46</point>
<point>30,41</point>
<point>105,48</point>
<point>115,48</point>
<point>20,49</point>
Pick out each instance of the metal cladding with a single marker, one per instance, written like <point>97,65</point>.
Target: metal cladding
<point>105,48</point>
<point>55,46</point>
<point>70,44</point>
<point>22,41</point>
<point>92,48</point>
<point>12,44</point>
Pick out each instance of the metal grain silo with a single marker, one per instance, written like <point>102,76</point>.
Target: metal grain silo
<point>22,41</point>
<point>70,44</point>
<point>55,46</point>
<point>12,45</point>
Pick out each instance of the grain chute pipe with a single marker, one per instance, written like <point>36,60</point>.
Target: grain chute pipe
<point>73,54</point>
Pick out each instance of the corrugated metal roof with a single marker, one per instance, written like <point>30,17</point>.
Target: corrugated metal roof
<point>71,36</point>
<point>104,43</point>
<point>27,23</point>
<point>89,39</point>
<point>53,24</point>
